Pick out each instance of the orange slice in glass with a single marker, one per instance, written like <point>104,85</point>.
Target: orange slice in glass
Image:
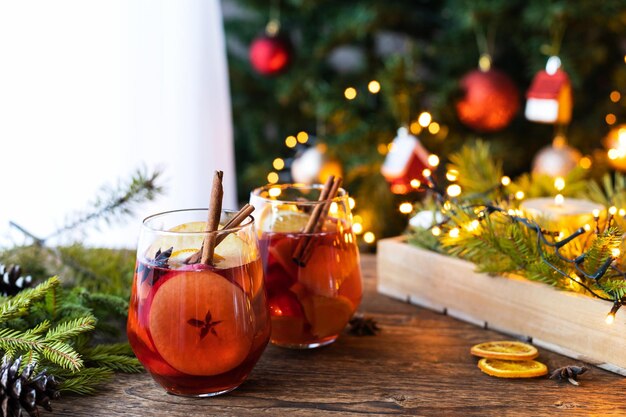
<point>201,324</point>
<point>327,315</point>
<point>512,369</point>
<point>505,349</point>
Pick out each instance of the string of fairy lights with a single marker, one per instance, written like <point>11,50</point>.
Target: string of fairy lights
<point>554,240</point>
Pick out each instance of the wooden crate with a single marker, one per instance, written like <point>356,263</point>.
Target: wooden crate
<point>564,322</point>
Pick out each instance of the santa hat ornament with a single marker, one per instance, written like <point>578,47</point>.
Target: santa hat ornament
<point>405,163</point>
<point>549,99</point>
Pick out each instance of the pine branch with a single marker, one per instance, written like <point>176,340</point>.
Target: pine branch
<point>86,382</point>
<point>116,202</point>
<point>70,329</point>
<point>57,352</point>
<point>121,363</point>
<point>19,304</point>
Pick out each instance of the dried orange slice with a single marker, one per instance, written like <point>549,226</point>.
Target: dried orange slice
<point>505,349</point>
<point>201,324</point>
<point>512,369</point>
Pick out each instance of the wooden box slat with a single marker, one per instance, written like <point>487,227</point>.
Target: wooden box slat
<point>568,323</point>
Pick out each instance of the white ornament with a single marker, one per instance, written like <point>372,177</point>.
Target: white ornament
<point>306,168</point>
<point>426,219</point>
<point>556,161</point>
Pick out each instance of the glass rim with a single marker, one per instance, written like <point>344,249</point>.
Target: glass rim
<point>248,222</point>
<point>342,194</point>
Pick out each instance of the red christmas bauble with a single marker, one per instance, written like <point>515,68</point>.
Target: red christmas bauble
<point>490,102</point>
<point>270,55</point>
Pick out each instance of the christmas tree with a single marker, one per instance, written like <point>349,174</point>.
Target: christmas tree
<point>357,71</point>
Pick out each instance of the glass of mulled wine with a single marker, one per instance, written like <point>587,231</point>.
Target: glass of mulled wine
<point>198,325</point>
<point>311,263</point>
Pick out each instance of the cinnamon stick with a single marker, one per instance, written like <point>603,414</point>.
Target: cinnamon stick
<point>213,220</point>
<point>241,215</point>
<point>303,250</point>
<point>237,219</point>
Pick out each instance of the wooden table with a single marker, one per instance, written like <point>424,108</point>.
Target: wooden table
<point>418,365</point>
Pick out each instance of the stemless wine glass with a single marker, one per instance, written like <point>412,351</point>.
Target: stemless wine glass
<point>197,328</point>
<point>312,277</point>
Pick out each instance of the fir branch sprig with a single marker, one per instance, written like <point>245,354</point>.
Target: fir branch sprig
<point>114,203</point>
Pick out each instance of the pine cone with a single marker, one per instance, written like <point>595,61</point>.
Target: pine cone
<point>23,391</point>
<point>12,281</point>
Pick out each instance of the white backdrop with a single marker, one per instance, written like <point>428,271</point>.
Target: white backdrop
<point>90,90</point>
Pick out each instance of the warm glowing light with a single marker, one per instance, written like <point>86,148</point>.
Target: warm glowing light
<point>357,228</point>
<point>351,203</point>
<point>621,212</point>
<point>505,180</point>
<point>436,231</point>
<point>406,208</point>
<point>559,183</point>
<point>559,199</point>
<point>369,237</point>
<point>454,190</point>
<point>519,195</point>
<point>452,175</point>
<point>587,227</point>
<point>334,208</point>
<point>415,183</point>
<point>610,318</point>
<point>274,192</point>
<point>350,93</point>
<point>472,226</point>
<point>613,154</point>
<point>596,213</point>
<point>616,252</point>
<point>302,137</point>
<point>424,119</point>
<point>454,233</point>
<point>447,205</point>
<point>610,119</point>
<point>434,128</point>
<point>358,219</point>
<point>415,128</point>
<point>615,96</point>
<point>612,210</point>
<point>374,87</point>
<point>585,162</point>
<point>278,164</point>
<point>426,172</point>
<point>382,149</point>
<point>511,212</point>
<point>272,178</point>
<point>433,160</point>
<point>291,141</point>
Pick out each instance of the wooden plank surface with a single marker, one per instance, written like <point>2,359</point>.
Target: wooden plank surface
<point>418,365</point>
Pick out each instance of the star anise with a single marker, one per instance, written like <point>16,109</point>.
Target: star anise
<point>569,373</point>
<point>363,326</point>
<point>160,260</point>
<point>207,325</point>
